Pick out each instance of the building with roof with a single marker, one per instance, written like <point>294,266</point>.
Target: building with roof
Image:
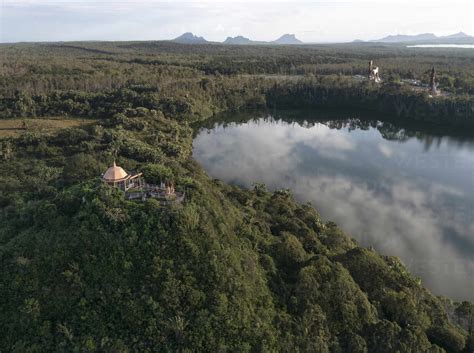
<point>136,188</point>
<point>118,177</point>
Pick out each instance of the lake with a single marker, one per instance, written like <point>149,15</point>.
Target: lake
<point>405,191</point>
<point>461,46</point>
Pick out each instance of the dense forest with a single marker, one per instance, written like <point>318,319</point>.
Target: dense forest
<point>78,79</point>
<point>229,270</point>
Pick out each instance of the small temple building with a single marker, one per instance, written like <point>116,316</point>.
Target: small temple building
<point>135,187</point>
<point>118,177</point>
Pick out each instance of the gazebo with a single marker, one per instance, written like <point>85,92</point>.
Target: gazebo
<point>118,177</point>
<point>137,189</point>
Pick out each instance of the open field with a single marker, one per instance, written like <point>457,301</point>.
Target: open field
<point>16,127</point>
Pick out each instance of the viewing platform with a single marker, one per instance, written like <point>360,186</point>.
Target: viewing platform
<point>165,195</point>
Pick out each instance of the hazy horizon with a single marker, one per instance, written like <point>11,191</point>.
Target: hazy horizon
<point>310,21</point>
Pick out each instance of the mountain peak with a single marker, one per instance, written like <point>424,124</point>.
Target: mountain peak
<point>189,38</point>
<point>458,35</point>
<point>237,40</point>
<point>287,39</point>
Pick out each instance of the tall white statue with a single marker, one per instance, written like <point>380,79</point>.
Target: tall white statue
<point>433,84</point>
<point>373,72</point>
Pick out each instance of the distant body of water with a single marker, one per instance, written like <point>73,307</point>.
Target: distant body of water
<point>464,46</point>
<point>406,192</point>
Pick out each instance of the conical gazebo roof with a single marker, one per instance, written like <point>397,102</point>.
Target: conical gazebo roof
<point>115,173</point>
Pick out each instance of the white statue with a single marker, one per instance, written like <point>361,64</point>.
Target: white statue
<point>433,84</point>
<point>373,73</point>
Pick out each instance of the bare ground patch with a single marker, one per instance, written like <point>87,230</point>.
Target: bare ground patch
<point>17,127</point>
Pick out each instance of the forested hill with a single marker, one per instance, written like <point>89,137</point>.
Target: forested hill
<point>229,270</point>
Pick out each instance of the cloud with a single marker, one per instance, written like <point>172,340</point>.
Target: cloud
<point>385,150</point>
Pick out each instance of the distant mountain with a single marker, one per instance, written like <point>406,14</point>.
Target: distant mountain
<point>189,38</point>
<point>406,38</point>
<point>458,35</point>
<point>283,40</point>
<point>287,39</point>
<point>457,38</point>
<point>239,40</point>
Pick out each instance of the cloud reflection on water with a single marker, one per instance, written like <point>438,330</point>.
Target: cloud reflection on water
<point>398,197</point>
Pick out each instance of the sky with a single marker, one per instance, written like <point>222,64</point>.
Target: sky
<point>310,21</point>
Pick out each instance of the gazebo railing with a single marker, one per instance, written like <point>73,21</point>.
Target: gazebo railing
<point>156,192</point>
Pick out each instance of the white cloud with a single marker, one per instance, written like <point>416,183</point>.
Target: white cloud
<point>385,150</point>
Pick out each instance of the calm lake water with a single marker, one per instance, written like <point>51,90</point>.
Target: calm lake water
<point>404,191</point>
<point>461,46</point>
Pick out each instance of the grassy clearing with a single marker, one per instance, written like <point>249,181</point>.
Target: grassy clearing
<point>17,127</point>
